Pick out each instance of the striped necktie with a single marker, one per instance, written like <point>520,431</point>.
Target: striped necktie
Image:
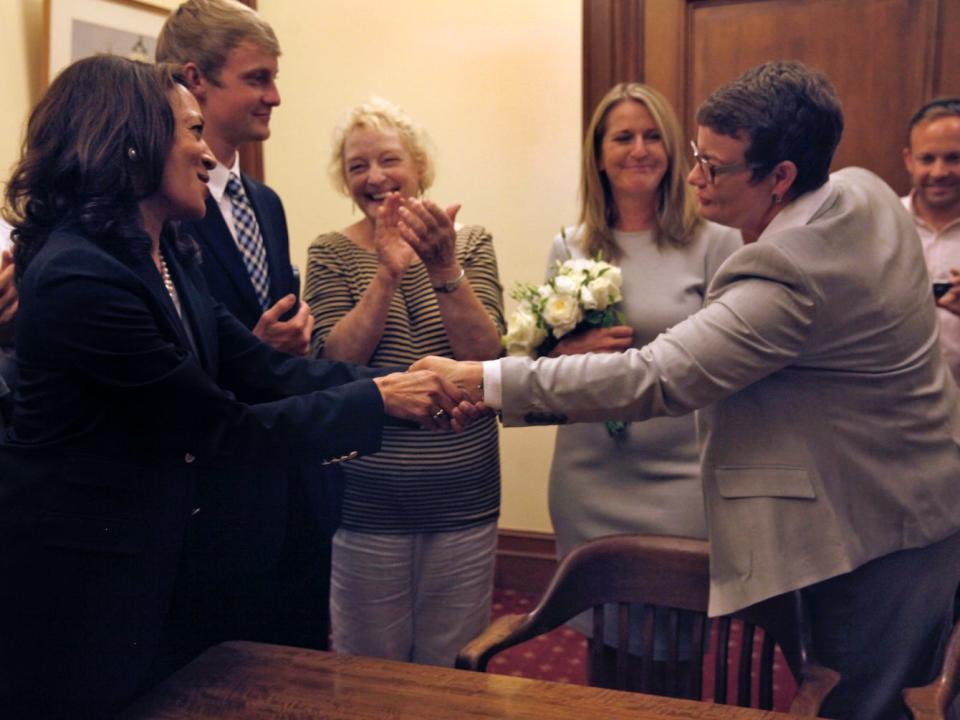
<point>249,240</point>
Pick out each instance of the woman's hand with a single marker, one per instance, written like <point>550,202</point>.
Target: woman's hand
<point>395,255</point>
<point>430,231</point>
<point>425,397</point>
<point>612,339</point>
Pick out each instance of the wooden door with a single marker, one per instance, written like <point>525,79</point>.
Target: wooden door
<point>886,57</point>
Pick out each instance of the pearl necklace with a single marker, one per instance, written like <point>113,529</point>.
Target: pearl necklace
<point>168,282</point>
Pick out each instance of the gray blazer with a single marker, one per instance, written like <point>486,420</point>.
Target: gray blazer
<point>829,423</point>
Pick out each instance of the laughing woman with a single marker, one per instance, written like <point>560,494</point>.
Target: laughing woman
<point>412,570</point>
<point>133,384</point>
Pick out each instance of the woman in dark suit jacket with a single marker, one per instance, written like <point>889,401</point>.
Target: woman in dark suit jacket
<point>133,382</point>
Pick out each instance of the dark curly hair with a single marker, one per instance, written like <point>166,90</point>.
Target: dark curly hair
<point>788,112</point>
<point>95,146</point>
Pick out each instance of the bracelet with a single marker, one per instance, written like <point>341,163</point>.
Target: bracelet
<point>450,285</point>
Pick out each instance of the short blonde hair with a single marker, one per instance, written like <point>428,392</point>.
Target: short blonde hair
<point>204,31</point>
<point>676,213</point>
<point>379,114</point>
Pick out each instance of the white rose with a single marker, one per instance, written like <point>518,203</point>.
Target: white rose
<point>562,313</point>
<point>613,275</point>
<point>603,292</point>
<point>545,291</point>
<point>565,285</point>
<point>523,334</point>
<point>589,300</point>
<point>579,265</point>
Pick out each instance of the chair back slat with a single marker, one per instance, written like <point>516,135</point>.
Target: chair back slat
<point>596,646</point>
<point>673,678</point>
<point>765,699</point>
<point>623,643</point>
<point>722,661</point>
<point>698,645</point>
<point>646,659</point>
<point>744,664</point>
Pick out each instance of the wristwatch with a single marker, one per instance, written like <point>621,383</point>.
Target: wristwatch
<point>450,285</point>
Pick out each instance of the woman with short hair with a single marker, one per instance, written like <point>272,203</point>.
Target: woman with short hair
<point>412,567</point>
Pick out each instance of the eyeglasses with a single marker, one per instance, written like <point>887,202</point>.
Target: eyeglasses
<point>710,171</point>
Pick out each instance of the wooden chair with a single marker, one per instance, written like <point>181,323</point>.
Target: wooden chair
<point>931,702</point>
<point>672,573</point>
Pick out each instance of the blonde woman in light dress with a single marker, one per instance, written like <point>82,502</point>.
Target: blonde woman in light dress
<point>638,211</point>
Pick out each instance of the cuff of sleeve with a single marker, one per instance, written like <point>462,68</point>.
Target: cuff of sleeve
<point>492,394</point>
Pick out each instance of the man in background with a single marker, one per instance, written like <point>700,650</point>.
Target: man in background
<point>933,161</point>
<point>260,575</point>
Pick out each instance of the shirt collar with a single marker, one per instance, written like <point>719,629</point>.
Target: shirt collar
<point>800,211</point>
<point>219,176</point>
<point>910,202</point>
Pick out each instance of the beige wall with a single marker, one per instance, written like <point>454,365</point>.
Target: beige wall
<point>20,53</point>
<point>497,85</point>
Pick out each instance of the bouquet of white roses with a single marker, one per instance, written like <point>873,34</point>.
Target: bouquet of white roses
<point>582,294</point>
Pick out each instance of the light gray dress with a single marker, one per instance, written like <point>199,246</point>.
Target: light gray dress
<point>647,479</point>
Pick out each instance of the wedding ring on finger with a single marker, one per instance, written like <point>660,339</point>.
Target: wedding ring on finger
<point>439,414</point>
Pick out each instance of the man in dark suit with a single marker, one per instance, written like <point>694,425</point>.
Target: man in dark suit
<point>262,576</point>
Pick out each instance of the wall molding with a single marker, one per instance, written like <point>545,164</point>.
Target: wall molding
<point>526,560</point>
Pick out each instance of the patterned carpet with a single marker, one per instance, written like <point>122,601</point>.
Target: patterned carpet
<point>561,655</point>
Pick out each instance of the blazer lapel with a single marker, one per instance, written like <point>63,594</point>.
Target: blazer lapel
<point>219,247</point>
<point>196,313</point>
<point>147,272</point>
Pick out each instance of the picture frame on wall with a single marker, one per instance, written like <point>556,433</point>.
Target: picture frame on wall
<point>79,28</point>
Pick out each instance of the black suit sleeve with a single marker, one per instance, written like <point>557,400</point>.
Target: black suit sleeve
<point>106,325</point>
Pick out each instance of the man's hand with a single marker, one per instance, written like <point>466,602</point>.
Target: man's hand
<point>9,297</point>
<point>292,336</point>
<point>950,300</point>
<point>422,396</point>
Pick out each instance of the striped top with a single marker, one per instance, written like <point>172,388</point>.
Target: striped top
<point>420,481</point>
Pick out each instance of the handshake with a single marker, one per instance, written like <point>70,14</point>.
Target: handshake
<point>438,393</point>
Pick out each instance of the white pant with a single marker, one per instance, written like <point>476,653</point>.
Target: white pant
<point>418,597</point>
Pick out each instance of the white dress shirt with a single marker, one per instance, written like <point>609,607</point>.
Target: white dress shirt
<point>218,191</point>
<point>941,250</point>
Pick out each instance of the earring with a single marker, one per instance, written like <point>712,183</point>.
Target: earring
<point>775,199</point>
<point>132,154</point>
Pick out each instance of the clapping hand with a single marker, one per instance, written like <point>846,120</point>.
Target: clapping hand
<point>393,253</point>
<point>431,232</point>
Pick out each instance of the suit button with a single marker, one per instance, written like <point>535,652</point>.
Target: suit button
<point>188,458</point>
<point>195,511</point>
<point>353,455</point>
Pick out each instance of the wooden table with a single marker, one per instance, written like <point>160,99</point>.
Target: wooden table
<point>251,680</point>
